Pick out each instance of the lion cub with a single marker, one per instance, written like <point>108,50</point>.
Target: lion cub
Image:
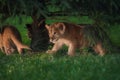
<point>10,40</point>
<point>1,44</point>
<point>72,36</point>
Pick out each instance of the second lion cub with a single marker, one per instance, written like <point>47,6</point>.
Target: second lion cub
<point>10,40</point>
<point>74,36</point>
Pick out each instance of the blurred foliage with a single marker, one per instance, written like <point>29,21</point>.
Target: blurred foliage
<point>109,9</point>
<point>22,7</point>
<point>15,8</point>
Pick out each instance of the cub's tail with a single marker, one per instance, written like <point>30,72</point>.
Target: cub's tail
<point>19,45</point>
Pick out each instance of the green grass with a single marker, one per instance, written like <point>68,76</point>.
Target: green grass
<point>42,66</point>
<point>56,67</point>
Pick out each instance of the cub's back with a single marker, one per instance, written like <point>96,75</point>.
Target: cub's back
<point>10,31</point>
<point>73,29</point>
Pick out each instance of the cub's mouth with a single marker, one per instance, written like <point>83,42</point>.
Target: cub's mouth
<point>54,40</point>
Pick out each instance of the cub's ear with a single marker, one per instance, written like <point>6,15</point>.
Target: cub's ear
<point>47,26</point>
<point>61,27</point>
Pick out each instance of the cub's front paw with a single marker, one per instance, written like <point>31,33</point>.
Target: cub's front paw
<point>50,52</point>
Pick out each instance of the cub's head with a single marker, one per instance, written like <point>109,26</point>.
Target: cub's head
<point>56,31</point>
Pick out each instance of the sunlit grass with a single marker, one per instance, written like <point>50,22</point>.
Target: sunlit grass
<point>53,67</point>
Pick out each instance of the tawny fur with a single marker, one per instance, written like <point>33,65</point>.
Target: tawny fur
<point>10,40</point>
<point>1,44</point>
<point>72,36</point>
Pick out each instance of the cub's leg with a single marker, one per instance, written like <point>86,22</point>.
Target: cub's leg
<point>99,49</point>
<point>2,49</point>
<point>7,47</point>
<point>71,50</point>
<point>55,48</point>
